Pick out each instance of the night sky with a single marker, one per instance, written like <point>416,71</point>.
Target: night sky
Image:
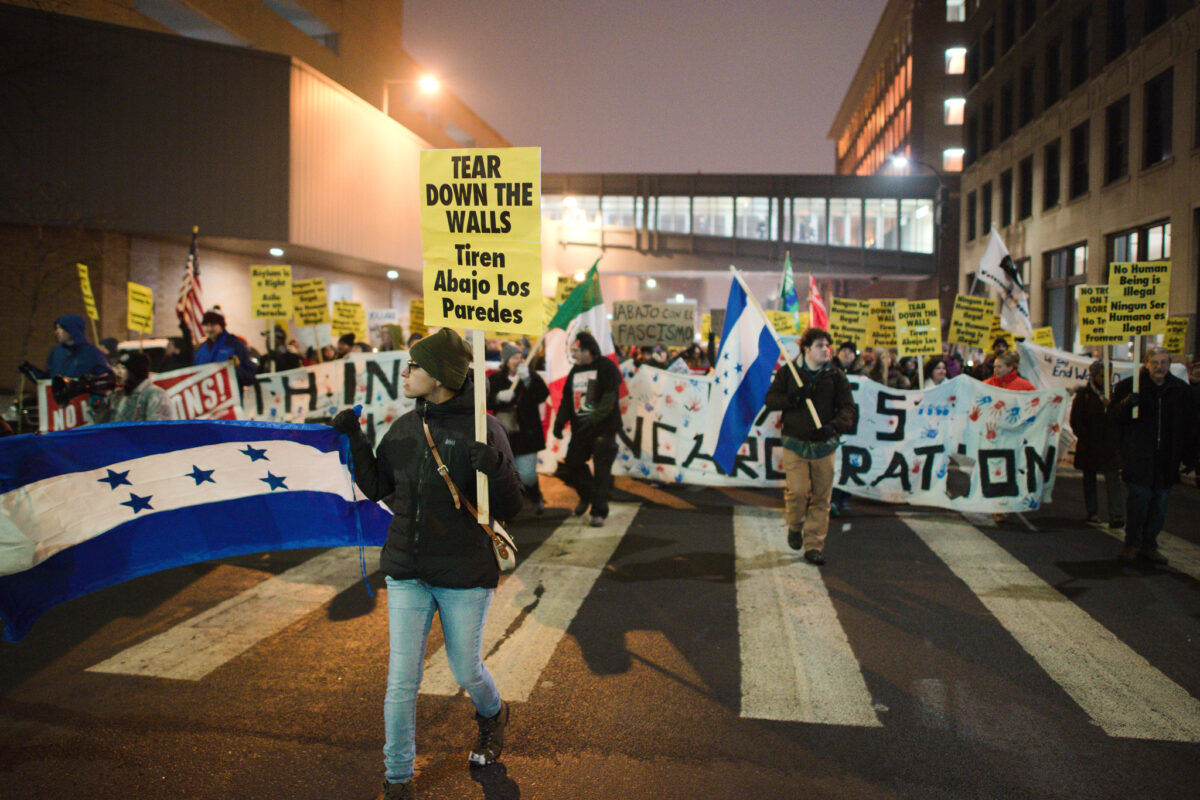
<point>695,85</point>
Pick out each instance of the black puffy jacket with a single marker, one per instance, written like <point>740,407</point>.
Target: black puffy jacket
<point>428,538</point>
<point>526,403</point>
<point>831,396</point>
<point>1162,437</point>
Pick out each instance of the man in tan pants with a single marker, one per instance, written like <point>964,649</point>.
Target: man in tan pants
<point>810,445</point>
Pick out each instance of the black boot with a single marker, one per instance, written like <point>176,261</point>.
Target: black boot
<point>491,738</point>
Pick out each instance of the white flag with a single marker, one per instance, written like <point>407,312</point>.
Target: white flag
<point>997,269</point>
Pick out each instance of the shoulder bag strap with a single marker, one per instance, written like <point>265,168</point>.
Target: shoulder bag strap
<point>441,468</point>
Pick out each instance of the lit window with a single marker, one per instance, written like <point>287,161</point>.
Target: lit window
<point>954,110</point>
<point>956,60</point>
<point>952,159</point>
<point>956,10</point>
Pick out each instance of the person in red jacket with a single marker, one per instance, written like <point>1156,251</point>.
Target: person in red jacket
<point>1005,375</point>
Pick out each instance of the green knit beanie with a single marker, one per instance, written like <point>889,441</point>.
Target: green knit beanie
<point>445,356</point>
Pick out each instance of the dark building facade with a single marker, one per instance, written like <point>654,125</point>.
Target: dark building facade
<point>1082,145</point>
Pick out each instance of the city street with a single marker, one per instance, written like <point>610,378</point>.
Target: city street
<point>681,651</point>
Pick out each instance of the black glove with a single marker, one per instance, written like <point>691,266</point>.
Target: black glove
<point>558,431</point>
<point>28,370</point>
<point>798,394</point>
<point>485,458</point>
<point>1132,400</point>
<point>346,422</point>
<point>826,432</point>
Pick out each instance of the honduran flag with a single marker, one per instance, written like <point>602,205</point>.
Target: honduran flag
<point>91,507</point>
<point>741,376</point>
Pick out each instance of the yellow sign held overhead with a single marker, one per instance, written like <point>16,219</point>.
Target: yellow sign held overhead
<point>1093,317</point>
<point>309,302</point>
<point>1044,336</point>
<point>416,318</point>
<point>350,317</point>
<point>85,287</point>
<point>1138,293</point>
<point>481,230</point>
<point>881,323</point>
<point>918,328</point>
<point>271,291</point>
<point>971,321</point>
<point>139,315</point>
<point>848,321</point>
<point>1175,339</point>
<point>563,289</point>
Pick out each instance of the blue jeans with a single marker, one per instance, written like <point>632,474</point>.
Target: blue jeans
<point>411,604</point>
<point>1145,513</point>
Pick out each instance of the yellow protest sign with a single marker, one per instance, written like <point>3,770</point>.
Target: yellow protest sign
<point>996,331</point>
<point>549,309</point>
<point>481,231</point>
<point>85,287</point>
<point>139,313</point>
<point>971,321</point>
<point>881,323</point>
<point>918,328</point>
<point>349,317</point>
<point>1138,293</point>
<point>848,321</point>
<point>309,302</point>
<point>781,321</point>
<point>1044,336</point>
<point>1175,339</point>
<point>271,291</point>
<point>1093,317</point>
<point>563,289</point>
<point>416,318</point>
<point>705,326</point>
<point>803,320</point>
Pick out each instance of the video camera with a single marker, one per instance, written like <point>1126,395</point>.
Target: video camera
<point>64,389</point>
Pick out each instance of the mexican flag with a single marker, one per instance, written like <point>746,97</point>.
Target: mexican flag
<point>583,310</point>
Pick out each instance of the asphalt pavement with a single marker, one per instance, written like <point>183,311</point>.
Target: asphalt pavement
<point>682,651</point>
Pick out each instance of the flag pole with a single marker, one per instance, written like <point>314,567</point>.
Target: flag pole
<point>481,480</point>
<point>779,343</point>
<point>1137,369</point>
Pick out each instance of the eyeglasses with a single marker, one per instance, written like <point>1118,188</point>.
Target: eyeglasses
<point>412,365</point>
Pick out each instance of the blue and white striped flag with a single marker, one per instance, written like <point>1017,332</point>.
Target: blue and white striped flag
<point>741,377</point>
<point>88,508</point>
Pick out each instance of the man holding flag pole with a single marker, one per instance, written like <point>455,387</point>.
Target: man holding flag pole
<point>814,397</point>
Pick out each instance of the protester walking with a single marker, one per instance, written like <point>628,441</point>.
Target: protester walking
<point>1004,374</point>
<point>809,446</point>
<point>848,361</point>
<point>436,557</point>
<point>1096,447</point>
<point>935,371</point>
<point>515,394</point>
<point>884,371</point>
<point>1152,447</point>
<point>589,405</point>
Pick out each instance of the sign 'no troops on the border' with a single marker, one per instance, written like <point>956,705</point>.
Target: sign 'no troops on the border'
<point>481,230</point>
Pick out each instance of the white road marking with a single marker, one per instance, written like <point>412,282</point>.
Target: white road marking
<point>1181,554</point>
<point>197,646</point>
<point>1119,689</point>
<point>797,665</point>
<point>547,588</point>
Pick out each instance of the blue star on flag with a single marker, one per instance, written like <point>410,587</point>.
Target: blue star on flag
<point>116,479</point>
<point>255,454</point>
<point>138,503</point>
<point>201,475</point>
<point>274,481</point>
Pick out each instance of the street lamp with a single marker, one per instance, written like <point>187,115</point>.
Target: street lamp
<point>426,84</point>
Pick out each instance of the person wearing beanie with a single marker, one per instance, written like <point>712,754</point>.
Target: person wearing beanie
<point>436,556</point>
<point>515,394</point>
<point>135,399</point>
<point>345,345</point>
<point>589,405</point>
<point>847,359</point>
<point>220,345</point>
<point>73,356</point>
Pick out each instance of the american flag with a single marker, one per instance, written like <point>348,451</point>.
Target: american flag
<point>190,308</point>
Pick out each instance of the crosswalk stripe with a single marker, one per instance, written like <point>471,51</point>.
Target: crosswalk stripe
<point>197,646</point>
<point>544,593</point>
<point>797,665</point>
<point>1181,554</point>
<point>1119,689</point>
